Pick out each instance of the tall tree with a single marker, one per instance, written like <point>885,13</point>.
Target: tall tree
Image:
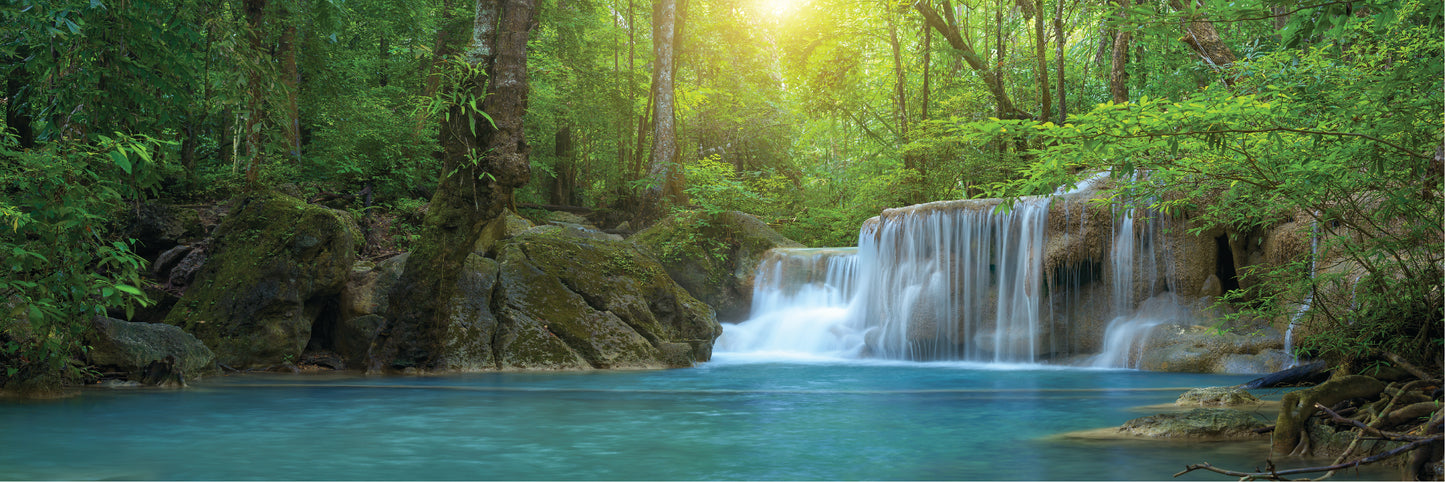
<point>662,169</point>
<point>1118,73</point>
<point>950,32</point>
<point>483,162</point>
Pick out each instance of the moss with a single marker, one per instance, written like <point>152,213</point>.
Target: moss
<point>269,265</point>
<point>714,258</point>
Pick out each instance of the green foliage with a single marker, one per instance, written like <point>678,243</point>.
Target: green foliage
<point>62,270</point>
<point>1348,141</point>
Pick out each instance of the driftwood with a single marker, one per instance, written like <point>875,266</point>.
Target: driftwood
<point>1309,373</point>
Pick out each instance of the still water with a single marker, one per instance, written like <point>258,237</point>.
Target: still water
<point>735,418</point>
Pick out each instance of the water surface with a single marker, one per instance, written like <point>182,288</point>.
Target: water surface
<point>737,418</point>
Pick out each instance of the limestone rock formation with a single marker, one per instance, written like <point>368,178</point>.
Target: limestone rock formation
<point>1216,397</point>
<point>1197,424</point>
<point>272,265</point>
<point>145,350</point>
<point>551,300</point>
<point>717,263</point>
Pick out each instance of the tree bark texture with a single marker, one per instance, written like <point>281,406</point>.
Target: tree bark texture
<point>1060,36</point>
<point>1118,73</point>
<point>1201,36</point>
<point>950,32</point>
<point>662,167</point>
<point>481,167</point>
<point>1041,52</point>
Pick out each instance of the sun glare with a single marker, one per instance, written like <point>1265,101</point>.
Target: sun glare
<point>779,8</point>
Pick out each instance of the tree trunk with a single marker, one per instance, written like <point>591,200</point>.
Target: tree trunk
<point>1201,36</point>
<point>1118,76</point>
<point>255,17</point>
<point>291,78</point>
<point>927,65</point>
<point>661,167</point>
<point>470,194</point>
<point>1041,51</point>
<point>900,90</point>
<point>1059,58</point>
<point>565,181</point>
<point>950,32</point>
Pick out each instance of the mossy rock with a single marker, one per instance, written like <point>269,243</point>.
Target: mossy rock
<point>1216,397</point>
<point>612,305</point>
<point>132,346</point>
<point>503,227</point>
<point>715,258</point>
<point>1197,424</point>
<point>273,263</point>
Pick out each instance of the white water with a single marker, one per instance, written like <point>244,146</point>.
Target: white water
<point>954,280</point>
<point>1309,297</point>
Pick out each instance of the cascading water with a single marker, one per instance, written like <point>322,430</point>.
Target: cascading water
<point>801,300</point>
<point>956,280</point>
<point>1309,297</point>
<point>950,280</point>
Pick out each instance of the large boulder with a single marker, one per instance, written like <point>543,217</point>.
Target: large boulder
<point>136,347</point>
<point>715,258</point>
<point>1201,349</point>
<point>1197,424</point>
<point>271,267</point>
<point>551,300</point>
<point>612,305</point>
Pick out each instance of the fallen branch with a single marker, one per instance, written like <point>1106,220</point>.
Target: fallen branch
<point>1407,366</point>
<point>1279,474</point>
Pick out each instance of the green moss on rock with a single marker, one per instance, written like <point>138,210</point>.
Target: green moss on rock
<point>715,258</point>
<point>273,263</point>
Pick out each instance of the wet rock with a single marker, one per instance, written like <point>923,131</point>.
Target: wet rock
<point>272,265</point>
<point>1201,349</point>
<point>1200,423</point>
<point>152,352</point>
<point>1216,397</point>
<point>716,262</point>
<point>1305,374</point>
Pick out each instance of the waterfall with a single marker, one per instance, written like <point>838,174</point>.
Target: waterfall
<point>801,300</point>
<point>1309,297</point>
<point>1135,265</point>
<point>958,280</point>
<point>953,280</point>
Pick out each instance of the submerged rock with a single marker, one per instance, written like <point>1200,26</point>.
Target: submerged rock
<point>155,353</point>
<point>716,261</point>
<point>1200,423</point>
<point>271,267</point>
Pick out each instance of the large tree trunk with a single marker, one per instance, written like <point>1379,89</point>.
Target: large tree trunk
<point>949,31</point>
<point>471,194</point>
<point>662,167</point>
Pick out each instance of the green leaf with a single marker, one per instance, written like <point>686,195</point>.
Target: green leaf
<point>118,156</point>
<point>128,289</point>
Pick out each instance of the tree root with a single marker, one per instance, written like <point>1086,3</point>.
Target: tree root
<point>1272,474</point>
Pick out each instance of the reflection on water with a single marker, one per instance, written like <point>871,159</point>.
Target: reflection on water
<point>733,419</point>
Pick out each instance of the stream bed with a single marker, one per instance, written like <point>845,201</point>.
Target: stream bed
<point>739,417</point>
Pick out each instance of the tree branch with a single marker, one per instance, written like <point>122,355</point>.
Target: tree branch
<point>1279,474</point>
